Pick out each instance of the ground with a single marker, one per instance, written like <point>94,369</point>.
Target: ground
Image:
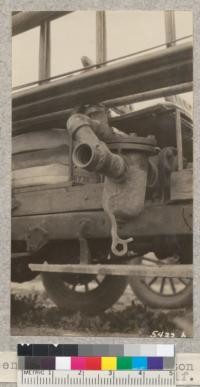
<point>33,314</point>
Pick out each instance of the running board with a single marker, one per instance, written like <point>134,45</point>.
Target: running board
<point>162,270</point>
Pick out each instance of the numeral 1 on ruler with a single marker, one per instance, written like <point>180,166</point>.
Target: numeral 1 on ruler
<point>96,378</point>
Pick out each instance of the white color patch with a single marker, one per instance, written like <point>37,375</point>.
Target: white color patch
<point>166,350</point>
<point>63,363</point>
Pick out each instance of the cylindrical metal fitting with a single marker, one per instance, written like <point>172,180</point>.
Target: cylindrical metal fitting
<point>99,116</point>
<point>97,157</point>
<point>90,153</point>
<point>96,122</point>
<point>76,122</point>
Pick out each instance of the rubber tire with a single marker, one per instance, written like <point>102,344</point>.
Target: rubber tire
<point>92,303</point>
<point>156,301</point>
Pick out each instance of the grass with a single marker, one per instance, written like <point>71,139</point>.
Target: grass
<point>35,312</point>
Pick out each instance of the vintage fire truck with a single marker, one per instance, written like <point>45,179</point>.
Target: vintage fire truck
<point>99,201</point>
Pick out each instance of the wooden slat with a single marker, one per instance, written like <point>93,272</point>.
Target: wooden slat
<point>41,157</point>
<point>63,199</point>
<point>171,271</point>
<point>46,121</point>
<point>40,181</point>
<point>48,174</point>
<point>43,139</point>
<point>182,185</point>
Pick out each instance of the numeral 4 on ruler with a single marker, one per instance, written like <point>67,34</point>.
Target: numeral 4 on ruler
<point>96,378</point>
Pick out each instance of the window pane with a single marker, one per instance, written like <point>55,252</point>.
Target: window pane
<point>73,36</point>
<point>184,23</point>
<point>131,31</point>
<point>25,57</point>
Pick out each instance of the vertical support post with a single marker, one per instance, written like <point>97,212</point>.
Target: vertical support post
<point>170,28</point>
<point>170,36</point>
<point>45,51</point>
<point>101,44</point>
<point>179,139</point>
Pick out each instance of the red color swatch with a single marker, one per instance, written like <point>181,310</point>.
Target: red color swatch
<point>93,363</point>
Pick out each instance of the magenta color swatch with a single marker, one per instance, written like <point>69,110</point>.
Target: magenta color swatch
<point>78,363</point>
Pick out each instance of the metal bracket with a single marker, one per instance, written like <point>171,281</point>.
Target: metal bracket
<point>36,238</point>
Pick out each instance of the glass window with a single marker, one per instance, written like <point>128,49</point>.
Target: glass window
<point>25,57</point>
<point>184,24</point>
<point>73,36</point>
<point>131,31</point>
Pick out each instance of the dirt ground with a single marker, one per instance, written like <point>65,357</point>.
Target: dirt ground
<point>33,313</point>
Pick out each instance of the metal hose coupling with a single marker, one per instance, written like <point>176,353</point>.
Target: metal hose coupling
<point>90,152</point>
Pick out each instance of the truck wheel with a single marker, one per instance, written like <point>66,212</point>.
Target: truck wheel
<point>163,293</point>
<point>89,294</point>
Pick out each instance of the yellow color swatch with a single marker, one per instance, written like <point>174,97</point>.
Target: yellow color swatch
<point>108,363</point>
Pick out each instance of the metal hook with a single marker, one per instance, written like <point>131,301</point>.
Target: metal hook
<point>119,246</point>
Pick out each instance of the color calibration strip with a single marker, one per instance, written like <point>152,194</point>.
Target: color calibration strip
<point>85,350</point>
<point>104,363</point>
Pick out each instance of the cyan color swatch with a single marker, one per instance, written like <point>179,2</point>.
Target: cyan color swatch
<point>139,363</point>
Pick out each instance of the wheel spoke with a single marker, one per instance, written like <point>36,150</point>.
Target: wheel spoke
<point>184,282</point>
<point>97,281</point>
<point>172,285</point>
<point>152,281</point>
<point>162,285</point>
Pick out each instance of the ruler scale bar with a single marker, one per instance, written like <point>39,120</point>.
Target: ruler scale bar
<point>102,378</point>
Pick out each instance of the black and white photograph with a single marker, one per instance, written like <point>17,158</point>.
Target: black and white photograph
<point>102,173</point>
